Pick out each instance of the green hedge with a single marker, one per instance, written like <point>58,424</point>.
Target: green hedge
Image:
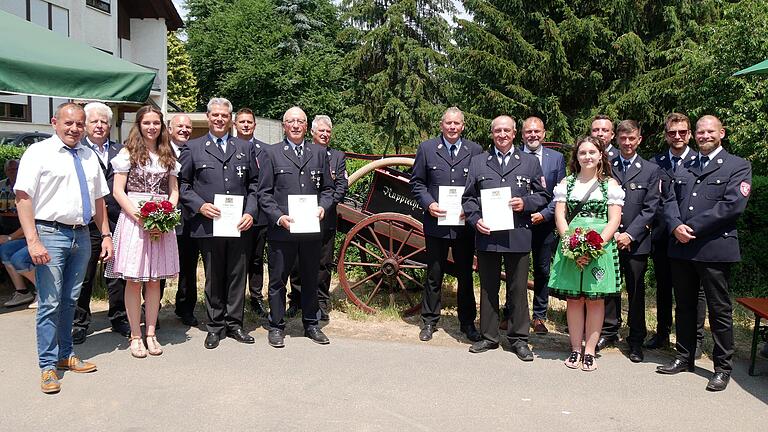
<point>750,277</point>
<point>9,152</point>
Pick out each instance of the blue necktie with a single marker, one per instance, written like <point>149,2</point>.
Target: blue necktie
<point>220,144</point>
<point>453,151</point>
<point>626,164</point>
<point>299,151</point>
<point>84,195</point>
<point>675,161</point>
<point>704,161</point>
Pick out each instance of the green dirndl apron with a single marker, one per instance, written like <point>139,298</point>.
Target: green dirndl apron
<point>600,278</point>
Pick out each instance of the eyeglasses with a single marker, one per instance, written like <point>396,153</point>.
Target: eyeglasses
<point>295,121</point>
<point>674,133</point>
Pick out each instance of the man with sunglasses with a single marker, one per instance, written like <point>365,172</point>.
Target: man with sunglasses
<point>677,133</point>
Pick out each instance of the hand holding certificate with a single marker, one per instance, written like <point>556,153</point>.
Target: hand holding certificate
<point>449,200</point>
<point>497,213</point>
<point>303,209</point>
<point>231,208</point>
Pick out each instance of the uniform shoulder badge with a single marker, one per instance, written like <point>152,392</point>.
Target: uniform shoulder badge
<point>745,188</point>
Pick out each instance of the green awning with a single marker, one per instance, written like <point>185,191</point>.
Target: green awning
<point>760,68</point>
<point>36,61</point>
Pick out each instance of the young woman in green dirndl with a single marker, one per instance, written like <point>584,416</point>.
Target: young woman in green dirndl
<point>586,281</point>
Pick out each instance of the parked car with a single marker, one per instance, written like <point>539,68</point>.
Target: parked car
<point>22,139</point>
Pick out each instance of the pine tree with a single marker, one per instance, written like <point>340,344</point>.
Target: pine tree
<point>397,61</point>
<point>182,84</point>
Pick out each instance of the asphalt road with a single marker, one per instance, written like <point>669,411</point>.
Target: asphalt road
<point>357,385</point>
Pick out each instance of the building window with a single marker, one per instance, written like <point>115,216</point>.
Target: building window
<point>102,5</point>
<point>14,112</point>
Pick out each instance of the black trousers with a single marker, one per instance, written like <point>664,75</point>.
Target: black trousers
<point>633,268</point>
<point>225,264</point>
<point>186,296</point>
<point>257,242</point>
<point>327,248</point>
<point>543,243</point>
<point>516,268</point>
<point>115,288</point>
<point>463,250</point>
<point>612,320</point>
<point>687,278</point>
<point>662,268</point>
<point>282,256</point>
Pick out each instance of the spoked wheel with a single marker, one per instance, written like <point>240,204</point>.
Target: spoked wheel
<point>381,263</point>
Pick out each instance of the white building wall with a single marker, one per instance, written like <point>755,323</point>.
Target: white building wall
<point>148,48</point>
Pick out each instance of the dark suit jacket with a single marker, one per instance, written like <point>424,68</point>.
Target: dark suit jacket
<point>659,232</point>
<point>337,163</point>
<point>553,166</point>
<point>523,174</point>
<point>641,201</point>
<point>434,168</point>
<point>205,172</point>
<point>113,208</point>
<point>282,174</point>
<point>710,202</point>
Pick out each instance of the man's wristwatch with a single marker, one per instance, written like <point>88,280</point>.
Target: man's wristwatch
<point>105,235</point>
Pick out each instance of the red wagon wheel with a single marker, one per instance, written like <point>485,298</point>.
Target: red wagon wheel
<point>385,268</point>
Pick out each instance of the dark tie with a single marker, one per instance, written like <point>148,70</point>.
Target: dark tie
<point>299,151</point>
<point>704,161</point>
<point>84,195</point>
<point>626,164</point>
<point>675,161</point>
<point>220,144</point>
<point>504,158</point>
<point>453,151</point>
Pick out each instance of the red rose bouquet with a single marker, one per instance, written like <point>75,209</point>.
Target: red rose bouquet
<point>581,242</point>
<point>158,215</point>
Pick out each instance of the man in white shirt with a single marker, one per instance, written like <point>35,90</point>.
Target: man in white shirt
<point>60,188</point>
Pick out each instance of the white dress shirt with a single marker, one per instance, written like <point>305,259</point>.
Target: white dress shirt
<point>47,174</point>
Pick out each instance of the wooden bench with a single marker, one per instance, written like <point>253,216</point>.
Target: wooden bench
<point>760,307</point>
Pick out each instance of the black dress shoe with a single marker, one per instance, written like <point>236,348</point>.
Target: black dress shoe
<point>292,311</point>
<point>78,335</point>
<point>636,354</point>
<point>604,343</point>
<point>471,332</point>
<point>316,335</point>
<point>257,306</point>
<point>675,367</point>
<point>523,352</point>
<point>189,320</point>
<point>241,336</point>
<point>122,328</point>
<point>719,381</point>
<point>657,341</point>
<point>426,332</point>
<point>483,346</point>
<point>212,340</point>
<point>276,337</point>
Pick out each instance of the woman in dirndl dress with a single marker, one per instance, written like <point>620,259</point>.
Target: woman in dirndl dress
<point>146,168</point>
<point>584,281</point>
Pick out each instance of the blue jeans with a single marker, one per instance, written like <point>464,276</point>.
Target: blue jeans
<point>16,254</point>
<point>58,287</point>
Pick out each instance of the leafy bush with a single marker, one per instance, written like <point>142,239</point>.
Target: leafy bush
<point>9,152</point>
<point>750,276</point>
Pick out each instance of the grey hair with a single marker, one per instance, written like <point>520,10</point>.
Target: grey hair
<point>219,101</point>
<point>97,108</point>
<point>452,110</point>
<point>321,119</point>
